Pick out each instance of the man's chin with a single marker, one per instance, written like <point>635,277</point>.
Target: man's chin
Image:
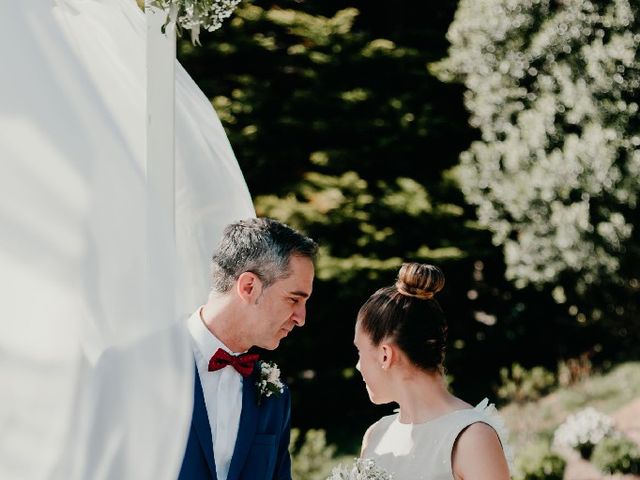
<point>273,345</point>
<point>275,342</point>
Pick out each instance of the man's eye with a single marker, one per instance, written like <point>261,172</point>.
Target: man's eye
<point>293,300</point>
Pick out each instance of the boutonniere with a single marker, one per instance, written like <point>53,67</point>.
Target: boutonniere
<point>268,382</point>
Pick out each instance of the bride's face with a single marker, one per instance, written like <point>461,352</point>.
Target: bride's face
<point>371,365</point>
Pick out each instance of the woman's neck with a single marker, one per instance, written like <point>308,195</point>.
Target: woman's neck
<point>423,396</point>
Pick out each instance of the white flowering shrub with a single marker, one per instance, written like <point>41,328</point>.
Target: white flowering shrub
<point>583,431</point>
<point>553,88</point>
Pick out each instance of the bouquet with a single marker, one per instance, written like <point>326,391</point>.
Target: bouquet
<point>361,469</point>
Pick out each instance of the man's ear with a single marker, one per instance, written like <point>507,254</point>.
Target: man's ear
<point>249,287</point>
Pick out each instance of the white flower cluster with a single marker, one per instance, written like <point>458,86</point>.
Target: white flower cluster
<point>197,14</point>
<point>586,427</point>
<point>269,382</point>
<point>361,469</point>
<point>554,89</point>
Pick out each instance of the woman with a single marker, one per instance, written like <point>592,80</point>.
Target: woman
<point>400,336</point>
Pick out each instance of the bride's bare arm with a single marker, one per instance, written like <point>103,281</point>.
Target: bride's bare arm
<point>478,455</point>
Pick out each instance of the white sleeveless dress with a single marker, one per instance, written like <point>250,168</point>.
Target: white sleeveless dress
<point>423,451</point>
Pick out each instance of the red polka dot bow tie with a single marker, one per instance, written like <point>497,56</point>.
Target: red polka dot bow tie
<point>244,363</point>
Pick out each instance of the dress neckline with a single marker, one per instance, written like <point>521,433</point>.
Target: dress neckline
<point>397,421</point>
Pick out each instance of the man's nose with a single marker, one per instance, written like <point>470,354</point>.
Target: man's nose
<point>358,366</point>
<point>299,315</point>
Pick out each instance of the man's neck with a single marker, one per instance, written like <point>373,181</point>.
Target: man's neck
<point>220,316</point>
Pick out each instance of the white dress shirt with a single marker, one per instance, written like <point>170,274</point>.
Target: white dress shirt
<point>222,393</point>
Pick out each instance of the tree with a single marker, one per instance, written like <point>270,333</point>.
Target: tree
<point>342,132</point>
<point>553,87</point>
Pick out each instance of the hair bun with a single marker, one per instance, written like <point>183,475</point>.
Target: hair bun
<point>420,280</point>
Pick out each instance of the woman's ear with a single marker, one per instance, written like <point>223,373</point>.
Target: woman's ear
<point>249,287</point>
<point>387,355</point>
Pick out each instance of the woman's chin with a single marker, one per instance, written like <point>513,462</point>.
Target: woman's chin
<point>376,399</point>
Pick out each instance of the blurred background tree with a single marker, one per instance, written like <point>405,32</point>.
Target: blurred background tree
<point>343,130</point>
<point>553,88</point>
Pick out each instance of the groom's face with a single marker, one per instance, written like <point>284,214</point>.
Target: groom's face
<point>282,306</point>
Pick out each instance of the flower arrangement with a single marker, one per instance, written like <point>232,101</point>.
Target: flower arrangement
<point>196,14</point>
<point>361,469</point>
<point>268,382</point>
<point>583,431</point>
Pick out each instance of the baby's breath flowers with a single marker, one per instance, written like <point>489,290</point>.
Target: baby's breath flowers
<point>196,14</point>
<point>361,469</point>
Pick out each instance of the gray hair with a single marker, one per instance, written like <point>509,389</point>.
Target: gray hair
<point>262,246</point>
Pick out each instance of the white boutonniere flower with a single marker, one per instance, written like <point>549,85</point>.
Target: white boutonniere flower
<point>268,382</point>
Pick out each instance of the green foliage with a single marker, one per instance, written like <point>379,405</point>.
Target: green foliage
<point>605,392</point>
<point>311,457</point>
<point>553,88</point>
<point>342,132</point>
<point>538,462</point>
<point>522,385</point>
<point>312,97</point>
<point>617,455</point>
<point>346,203</point>
<point>335,130</point>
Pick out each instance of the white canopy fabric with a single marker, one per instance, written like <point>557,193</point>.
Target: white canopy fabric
<point>92,387</point>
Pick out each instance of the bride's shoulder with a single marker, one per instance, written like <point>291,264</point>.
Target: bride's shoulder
<point>488,413</point>
<point>376,429</point>
<point>483,424</point>
<point>484,412</point>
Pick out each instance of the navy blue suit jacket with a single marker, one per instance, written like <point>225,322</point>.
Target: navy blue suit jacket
<point>262,447</point>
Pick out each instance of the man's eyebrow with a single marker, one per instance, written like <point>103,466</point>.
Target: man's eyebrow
<point>299,293</point>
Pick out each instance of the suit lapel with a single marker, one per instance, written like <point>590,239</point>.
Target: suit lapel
<point>246,429</point>
<point>201,424</point>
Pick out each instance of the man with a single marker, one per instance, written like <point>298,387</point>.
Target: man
<point>262,277</point>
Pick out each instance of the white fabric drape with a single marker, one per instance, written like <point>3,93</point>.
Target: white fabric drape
<point>92,387</point>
